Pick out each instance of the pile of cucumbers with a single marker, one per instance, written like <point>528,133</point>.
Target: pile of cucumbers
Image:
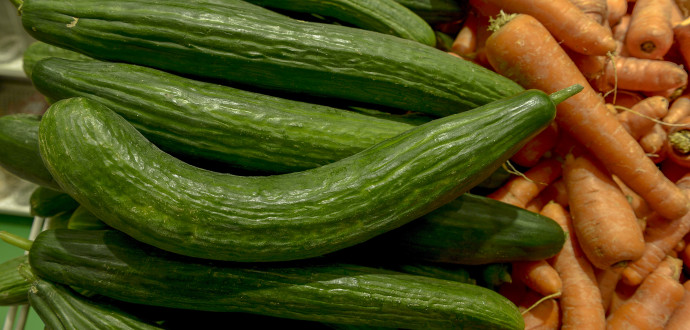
<point>233,159</point>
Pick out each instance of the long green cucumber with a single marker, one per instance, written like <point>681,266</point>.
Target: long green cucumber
<point>39,50</point>
<point>437,11</point>
<point>241,43</point>
<point>105,164</point>
<point>112,264</point>
<point>13,286</point>
<point>385,16</point>
<point>19,152</point>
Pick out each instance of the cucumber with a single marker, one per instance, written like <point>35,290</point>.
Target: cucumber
<point>47,202</point>
<point>13,286</point>
<point>82,218</point>
<point>114,265</point>
<point>39,50</point>
<point>240,43</point>
<point>105,164</point>
<point>437,11</point>
<point>385,16</point>
<point>19,153</point>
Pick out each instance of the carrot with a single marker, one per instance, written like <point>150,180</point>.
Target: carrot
<point>594,9</point>
<point>650,34</point>
<point>660,237</point>
<point>678,109</point>
<point>624,98</point>
<point>639,205</point>
<point>591,66</point>
<point>465,43</point>
<point>605,223</point>
<point>640,118</point>
<point>523,50</point>
<point>520,190</point>
<point>653,302</point>
<point>555,192</point>
<point>580,301</point>
<point>680,319</point>
<point>621,28</point>
<point>681,33</point>
<point>616,9</point>
<point>566,22</point>
<point>538,275</point>
<point>678,143</point>
<point>531,153</point>
<point>622,293</point>
<point>638,74</point>
<point>676,13</point>
<point>607,279</point>
<point>654,144</point>
<point>544,316</point>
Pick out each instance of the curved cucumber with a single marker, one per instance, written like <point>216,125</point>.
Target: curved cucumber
<point>385,16</point>
<point>241,43</point>
<point>108,166</point>
<point>19,153</point>
<point>112,264</point>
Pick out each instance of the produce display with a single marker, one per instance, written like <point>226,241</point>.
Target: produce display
<point>436,164</point>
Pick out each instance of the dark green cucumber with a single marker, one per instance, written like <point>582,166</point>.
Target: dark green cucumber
<point>82,218</point>
<point>19,153</point>
<point>241,43</point>
<point>471,230</point>
<point>385,16</point>
<point>47,202</point>
<point>13,286</point>
<point>437,11</point>
<point>201,120</point>
<point>114,265</point>
<point>40,50</point>
<point>109,167</point>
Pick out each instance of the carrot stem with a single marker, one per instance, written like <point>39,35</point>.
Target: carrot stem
<point>15,240</point>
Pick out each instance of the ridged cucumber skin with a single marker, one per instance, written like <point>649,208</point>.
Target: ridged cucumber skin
<point>13,286</point>
<point>112,264</point>
<point>39,50</point>
<point>385,16</point>
<point>437,11</point>
<point>241,43</point>
<point>108,166</point>
<point>200,120</point>
<point>470,230</point>
<point>47,202</point>
<point>19,152</point>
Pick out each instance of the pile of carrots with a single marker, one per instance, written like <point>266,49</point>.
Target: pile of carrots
<point>613,169</point>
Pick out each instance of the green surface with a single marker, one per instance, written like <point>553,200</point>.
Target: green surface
<point>19,226</point>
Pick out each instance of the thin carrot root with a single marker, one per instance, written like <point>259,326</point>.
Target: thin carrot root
<point>538,314</point>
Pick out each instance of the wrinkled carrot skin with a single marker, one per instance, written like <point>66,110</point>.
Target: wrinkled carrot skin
<point>594,9</point>
<point>525,51</point>
<point>531,153</point>
<point>660,237</point>
<point>680,319</point>
<point>605,223</point>
<point>568,24</point>
<point>640,119</point>
<point>520,190</point>
<point>538,275</point>
<point>580,301</point>
<point>674,155</point>
<point>653,302</point>
<point>638,74</point>
<point>616,9</point>
<point>545,316</point>
<point>650,34</point>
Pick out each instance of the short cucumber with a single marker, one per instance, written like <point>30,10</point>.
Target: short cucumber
<point>109,167</point>
<point>241,43</point>
<point>19,153</point>
<point>112,264</point>
<point>13,286</point>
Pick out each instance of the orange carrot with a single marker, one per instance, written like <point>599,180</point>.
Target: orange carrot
<point>523,50</point>
<point>621,294</point>
<point>650,34</point>
<point>607,279</point>
<point>654,144</point>
<point>637,74</point>
<point>616,9</point>
<point>680,319</point>
<point>580,302</point>
<point>678,143</point>
<point>676,14</point>
<point>639,206</point>
<point>544,316</point>
<point>555,192</point>
<point>520,190</point>
<point>594,9</point>
<point>465,43</point>
<point>531,153</point>
<point>639,119</point>
<point>653,302</point>
<point>538,275</point>
<point>681,33</point>
<point>660,237</point>
<point>604,221</point>
<point>591,66</point>
<point>624,98</point>
<point>678,109</point>
<point>621,28</point>
<point>566,22</point>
